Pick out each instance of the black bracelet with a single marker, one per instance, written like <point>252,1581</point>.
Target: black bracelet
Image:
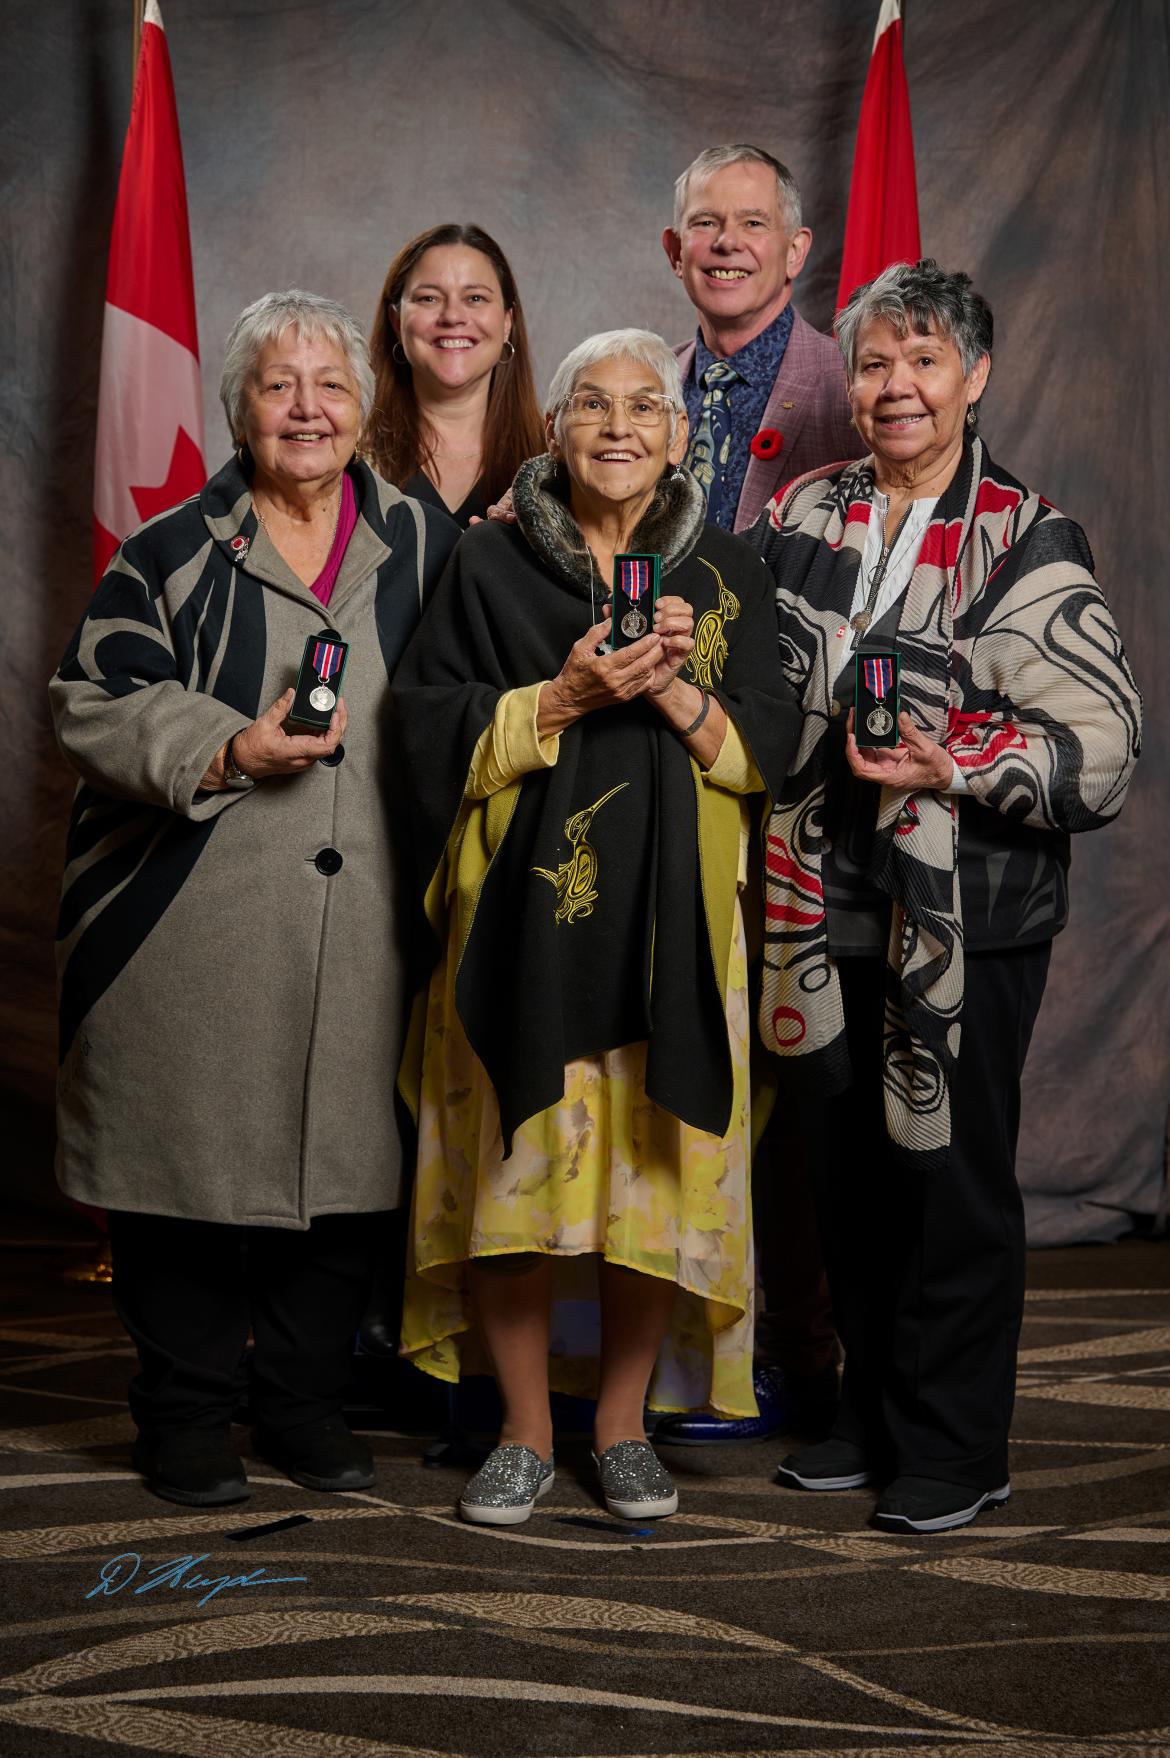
<point>699,718</point>
<point>231,769</point>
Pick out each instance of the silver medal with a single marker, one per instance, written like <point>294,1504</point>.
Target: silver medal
<point>634,624</point>
<point>880,721</point>
<point>322,699</point>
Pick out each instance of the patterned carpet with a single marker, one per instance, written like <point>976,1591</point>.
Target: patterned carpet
<point>757,1620</point>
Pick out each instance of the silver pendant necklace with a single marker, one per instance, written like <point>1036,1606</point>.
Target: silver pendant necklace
<point>864,617</point>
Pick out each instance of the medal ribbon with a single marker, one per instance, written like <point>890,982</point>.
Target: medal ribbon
<point>879,676</point>
<point>635,577</point>
<point>326,659</point>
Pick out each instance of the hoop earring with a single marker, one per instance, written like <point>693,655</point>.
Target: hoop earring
<point>505,358</point>
<point>398,355</point>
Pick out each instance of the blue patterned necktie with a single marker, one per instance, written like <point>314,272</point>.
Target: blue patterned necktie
<point>711,442</point>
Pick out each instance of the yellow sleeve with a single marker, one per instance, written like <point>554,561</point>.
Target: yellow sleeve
<point>510,745</point>
<point>734,769</point>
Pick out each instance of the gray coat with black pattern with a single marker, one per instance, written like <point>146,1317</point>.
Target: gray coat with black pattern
<point>232,1007</point>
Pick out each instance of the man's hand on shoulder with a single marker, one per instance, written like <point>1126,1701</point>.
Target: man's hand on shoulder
<point>501,511</point>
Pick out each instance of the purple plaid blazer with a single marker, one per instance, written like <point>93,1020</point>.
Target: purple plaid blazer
<point>808,406</point>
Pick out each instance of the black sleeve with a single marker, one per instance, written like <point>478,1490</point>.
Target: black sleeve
<point>445,693</point>
<point>753,690</point>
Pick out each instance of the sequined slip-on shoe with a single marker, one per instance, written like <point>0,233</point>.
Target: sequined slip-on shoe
<point>635,1483</point>
<point>506,1487</point>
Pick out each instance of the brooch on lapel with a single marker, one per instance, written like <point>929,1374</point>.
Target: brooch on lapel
<point>239,548</point>
<point>767,443</point>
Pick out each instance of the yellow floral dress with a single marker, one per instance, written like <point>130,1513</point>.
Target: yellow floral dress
<point>604,1172</point>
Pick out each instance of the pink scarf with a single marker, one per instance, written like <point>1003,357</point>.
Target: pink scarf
<point>323,585</point>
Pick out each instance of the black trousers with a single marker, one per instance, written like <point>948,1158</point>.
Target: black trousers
<point>188,1291</point>
<point>795,1328</point>
<point>927,1269</point>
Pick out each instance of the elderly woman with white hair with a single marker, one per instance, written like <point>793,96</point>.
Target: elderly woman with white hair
<point>582,815</point>
<point>232,994</point>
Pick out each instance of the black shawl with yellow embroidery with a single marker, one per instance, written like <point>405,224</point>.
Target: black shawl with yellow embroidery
<point>595,898</point>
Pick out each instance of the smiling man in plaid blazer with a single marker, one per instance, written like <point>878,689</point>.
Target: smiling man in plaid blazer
<point>765,392</point>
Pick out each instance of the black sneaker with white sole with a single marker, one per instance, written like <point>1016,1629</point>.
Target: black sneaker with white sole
<point>831,1464</point>
<point>924,1505</point>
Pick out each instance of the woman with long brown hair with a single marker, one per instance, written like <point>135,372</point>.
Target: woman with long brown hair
<point>455,411</point>
<point>454,416</point>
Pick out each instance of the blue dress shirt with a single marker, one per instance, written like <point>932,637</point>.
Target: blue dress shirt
<point>757,364</point>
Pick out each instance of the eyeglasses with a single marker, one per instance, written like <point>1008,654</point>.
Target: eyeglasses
<point>643,408</point>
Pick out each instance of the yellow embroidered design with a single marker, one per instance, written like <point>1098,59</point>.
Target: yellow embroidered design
<point>710,650</point>
<point>575,880</point>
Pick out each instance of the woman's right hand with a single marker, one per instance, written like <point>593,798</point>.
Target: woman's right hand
<point>590,680</point>
<point>265,748</point>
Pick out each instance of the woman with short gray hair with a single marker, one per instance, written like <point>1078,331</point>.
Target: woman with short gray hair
<point>582,815</point>
<point>232,985</point>
<point>968,707</point>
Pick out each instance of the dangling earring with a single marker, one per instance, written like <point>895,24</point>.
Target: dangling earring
<point>678,474</point>
<point>972,418</point>
<point>511,355</point>
<point>398,354</point>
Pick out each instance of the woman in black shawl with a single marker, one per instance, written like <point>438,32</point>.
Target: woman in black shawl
<point>581,817</point>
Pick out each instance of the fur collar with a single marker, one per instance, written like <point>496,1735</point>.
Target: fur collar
<point>670,527</point>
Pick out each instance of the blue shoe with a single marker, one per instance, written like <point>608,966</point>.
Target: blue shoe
<point>785,1400</point>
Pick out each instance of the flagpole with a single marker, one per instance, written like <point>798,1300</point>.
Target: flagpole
<point>139,7</point>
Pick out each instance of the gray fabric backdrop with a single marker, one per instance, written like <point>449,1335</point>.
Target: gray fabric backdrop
<point>318,136</point>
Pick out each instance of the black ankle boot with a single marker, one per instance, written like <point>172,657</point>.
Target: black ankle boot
<point>198,1467</point>
<point>318,1455</point>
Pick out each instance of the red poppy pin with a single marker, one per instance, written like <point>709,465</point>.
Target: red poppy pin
<point>767,443</point>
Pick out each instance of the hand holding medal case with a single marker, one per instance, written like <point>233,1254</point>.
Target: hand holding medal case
<point>319,681</point>
<point>635,593</point>
<point>875,718</point>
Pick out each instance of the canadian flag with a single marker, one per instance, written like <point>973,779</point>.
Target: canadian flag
<point>882,224</point>
<point>149,451</point>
